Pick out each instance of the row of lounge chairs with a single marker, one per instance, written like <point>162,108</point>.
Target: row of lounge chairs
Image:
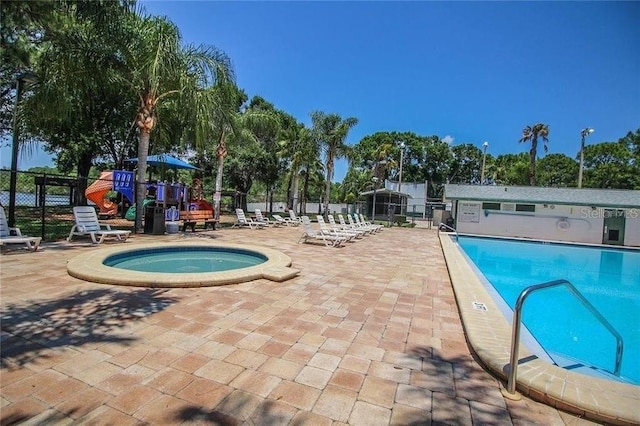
<point>335,235</point>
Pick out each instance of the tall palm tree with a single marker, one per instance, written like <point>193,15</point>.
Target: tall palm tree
<point>236,127</point>
<point>531,134</point>
<point>161,66</point>
<point>331,132</point>
<point>298,145</point>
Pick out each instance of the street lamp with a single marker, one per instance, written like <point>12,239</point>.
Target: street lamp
<point>375,187</point>
<point>485,145</point>
<point>13,179</point>
<point>400,176</point>
<point>584,133</point>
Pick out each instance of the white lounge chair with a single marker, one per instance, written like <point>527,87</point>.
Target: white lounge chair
<point>356,221</point>
<point>243,221</point>
<point>353,225</point>
<point>345,227</point>
<point>364,221</point>
<point>293,217</point>
<point>87,224</point>
<point>284,220</point>
<point>328,230</point>
<point>310,234</point>
<point>32,243</point>
<point>261,218</point>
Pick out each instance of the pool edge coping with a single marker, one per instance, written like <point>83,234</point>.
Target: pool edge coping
<point>489,336</point>
<point>90,267</point>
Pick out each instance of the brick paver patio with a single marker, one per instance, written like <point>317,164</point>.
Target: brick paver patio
<point>366,334</point>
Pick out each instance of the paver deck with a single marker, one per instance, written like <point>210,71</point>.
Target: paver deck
<point>365,334</point>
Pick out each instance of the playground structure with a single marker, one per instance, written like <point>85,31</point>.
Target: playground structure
<point>170,197</point>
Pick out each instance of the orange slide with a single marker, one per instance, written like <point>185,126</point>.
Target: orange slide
<point>97,192</point>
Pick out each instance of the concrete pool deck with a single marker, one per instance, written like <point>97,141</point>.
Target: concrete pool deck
<point>366,334</point>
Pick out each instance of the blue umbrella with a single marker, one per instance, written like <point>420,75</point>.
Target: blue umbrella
<point>165,160</point>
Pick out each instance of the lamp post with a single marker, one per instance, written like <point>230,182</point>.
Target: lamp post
<point>375,187</point>
<point>584,133</point>
<point>15,147</point>
<point>485,145</point>
<point>400,176</point>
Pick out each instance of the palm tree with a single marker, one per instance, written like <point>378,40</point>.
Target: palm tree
<point>298,145</point>
<point>160,66</point>
<point>531,134</point>
<point>331,131</point>
<point>235,126</point>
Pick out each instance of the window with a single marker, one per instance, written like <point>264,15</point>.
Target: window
<point>525,207</point>
<point>490,206</point>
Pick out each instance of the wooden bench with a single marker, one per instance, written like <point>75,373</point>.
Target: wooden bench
<point>192,217</point>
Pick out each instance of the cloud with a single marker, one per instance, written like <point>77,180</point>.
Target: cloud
<point>448,140</point>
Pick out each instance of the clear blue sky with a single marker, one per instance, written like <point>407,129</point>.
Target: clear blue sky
<point>469,71</point>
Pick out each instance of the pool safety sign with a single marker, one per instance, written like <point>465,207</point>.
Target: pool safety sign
<point>469,212</point>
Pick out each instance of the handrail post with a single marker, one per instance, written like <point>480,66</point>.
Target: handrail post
<point>515,334</point>
<point>444,225</point>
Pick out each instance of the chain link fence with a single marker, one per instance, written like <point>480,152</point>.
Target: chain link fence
<point>43,203</point>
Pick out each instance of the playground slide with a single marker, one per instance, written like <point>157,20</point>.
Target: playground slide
<point>97,192</point>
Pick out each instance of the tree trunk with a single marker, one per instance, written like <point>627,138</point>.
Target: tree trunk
<point>327,191</point>
<point>305,194</point>
<point>532,166</point>
<point>221,152</point>
<point>294,189</point>
<point>141,183</point>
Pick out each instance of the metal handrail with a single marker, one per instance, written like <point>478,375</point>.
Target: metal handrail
<point>442,224</point>
<point>517,314</point>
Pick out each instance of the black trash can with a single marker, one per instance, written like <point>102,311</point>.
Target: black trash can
<point>154,220</point>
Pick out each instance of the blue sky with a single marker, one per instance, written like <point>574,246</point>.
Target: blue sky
<point>466,71</point>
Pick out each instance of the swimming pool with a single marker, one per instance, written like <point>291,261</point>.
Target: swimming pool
<point>608,278</point>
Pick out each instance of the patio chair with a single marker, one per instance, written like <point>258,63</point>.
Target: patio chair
<point>32,243</point>
<point>243,221</point>
<point>356,220</point>
<point>311,234</point>
<point>371,224</point>
<point>293,217</point>
<point>284,220</point>
<point>87,224</point>
<point>354,225</point>
<point>260,218</point>
<point>345,227</point>
<point>328,230</point>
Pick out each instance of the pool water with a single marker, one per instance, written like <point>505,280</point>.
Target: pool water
<point>180,260</point>
<point>608,278</point>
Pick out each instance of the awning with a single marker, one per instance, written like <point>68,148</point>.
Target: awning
<point>165,160</point>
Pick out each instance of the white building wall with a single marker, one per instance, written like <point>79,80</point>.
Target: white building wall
<point>632,228</point>
<point>547,223</point>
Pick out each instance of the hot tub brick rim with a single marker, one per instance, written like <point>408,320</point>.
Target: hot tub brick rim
<point>90,267</point>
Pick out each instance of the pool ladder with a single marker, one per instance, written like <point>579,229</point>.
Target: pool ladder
<point>517,318</point>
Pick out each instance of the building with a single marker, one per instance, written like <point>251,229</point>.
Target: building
<point>596,216</point>
<point>409,199</point>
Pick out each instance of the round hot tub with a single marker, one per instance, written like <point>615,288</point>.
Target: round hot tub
<point>192,264</point>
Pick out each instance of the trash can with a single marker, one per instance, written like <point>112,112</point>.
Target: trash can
<point>154,220</point>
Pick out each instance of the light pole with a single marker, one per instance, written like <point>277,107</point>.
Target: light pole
<point>485,145</point>
<point>400,176</point>
<point>15,147</point>
<point>375,187</point>
<point>584,133</point>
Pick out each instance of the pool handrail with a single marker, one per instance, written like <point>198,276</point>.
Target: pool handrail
<point>444,225</point>
<point>517,316</point>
